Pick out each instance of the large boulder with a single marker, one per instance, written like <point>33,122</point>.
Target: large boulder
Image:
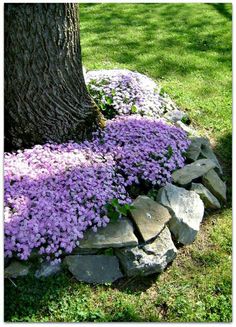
<point>209,200</point>
<point>213,182</point>
<point>116,234</point>
<point>149,216</point>
<point>95,269</point>
<point>150,258</point>
<point>186,209</point>
<point>192,171</point>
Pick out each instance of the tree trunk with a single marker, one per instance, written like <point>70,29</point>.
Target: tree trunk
<point>45,93</point>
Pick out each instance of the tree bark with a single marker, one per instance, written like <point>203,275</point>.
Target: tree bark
<point>45,92</point>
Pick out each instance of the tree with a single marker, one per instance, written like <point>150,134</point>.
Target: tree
<point>45,92</point>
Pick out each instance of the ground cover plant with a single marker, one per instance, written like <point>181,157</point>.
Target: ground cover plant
<point>124,93</point>
<point>187,47</point>
<point>55,192</point>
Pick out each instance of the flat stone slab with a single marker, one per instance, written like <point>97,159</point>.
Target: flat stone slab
<point>215,185</point>
<point>115,234</point>
<point>95,269</point>
<point>151,258</point>
<point>192,171</point>
<point>209,200</point>
<point>186,209</point>
<point>47,269</point>
<point>16,269</point>
<point>149,216</point>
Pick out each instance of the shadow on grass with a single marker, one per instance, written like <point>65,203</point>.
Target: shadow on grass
<point>31,296</point>
<point>223,150</point>
<point>222,9</point>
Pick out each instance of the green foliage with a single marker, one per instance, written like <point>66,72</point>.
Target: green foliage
<point>115,210</point>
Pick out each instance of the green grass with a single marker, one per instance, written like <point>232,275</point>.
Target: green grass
<point>187,48</point>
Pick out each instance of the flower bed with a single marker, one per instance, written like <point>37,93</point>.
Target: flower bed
<point>123,92</point>
<point>53,193</point>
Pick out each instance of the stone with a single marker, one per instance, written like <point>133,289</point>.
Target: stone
<point>16,269</point>
<point>186,209</point>
<point>95,269</point>
<point>215,185</point>
<point>200,147</point>
<point>149,259</point>
<point>186,128</point>
<point>115,234</point>
<point>175,115</point>
<point>207,152</point>
<point>209,200</point>
<point>149,216</point>
<point>47,269</point>
<point>194,150</point>
<point>192,171</point>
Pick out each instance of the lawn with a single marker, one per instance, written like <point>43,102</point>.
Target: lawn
<point>187,49</point>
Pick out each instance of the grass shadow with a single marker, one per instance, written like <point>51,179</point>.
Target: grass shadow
<point>222,9</point>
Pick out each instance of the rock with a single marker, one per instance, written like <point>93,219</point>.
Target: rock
<point>47,269</point>
<point>96,269</point>
<point>175,115</point>
<point>192,171</point>
<point>149,216</point>
<point>200,147</point>
<point>215,185</point>
<point>16,269</point>
<point>186,128</point>
<point>194,149</point>
<point>149,259</point>
<point>209,200</point>
<point>115,234</point>
<point>207,152</point>
<point>186,209</point>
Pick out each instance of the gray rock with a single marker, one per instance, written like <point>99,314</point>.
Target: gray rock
<point>149,216</point>
<point>16,269</point>
<point>186,128</point>
<point>115,234</point>
<point>149,259</point>
<point>194,149</point>
<point>175,115</point>
<point>96,269</point>
<point>47,269</point>
<point>200,147</point>
<point>209,200</point>
<point>186,209</point>
<point>192,171</point>
<point>207,152</point>
<point>214,184</point>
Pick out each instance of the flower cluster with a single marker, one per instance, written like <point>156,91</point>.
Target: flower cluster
<point>53,193</point>
<point>123,92</point>
<point>144,148</point>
